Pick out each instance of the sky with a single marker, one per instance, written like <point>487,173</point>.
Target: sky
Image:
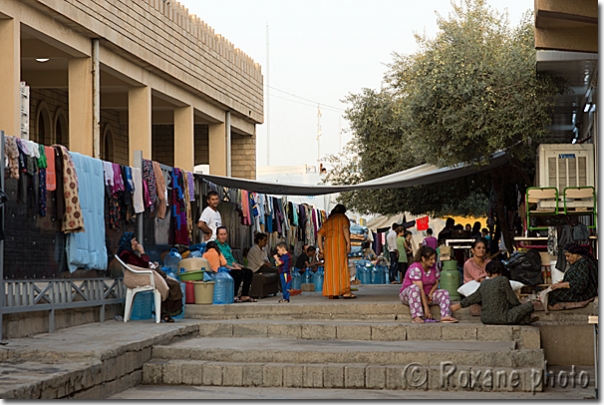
<point>319,51</point>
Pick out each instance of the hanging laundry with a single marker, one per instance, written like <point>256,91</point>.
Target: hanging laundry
<point>12,152</point>
<point>188,205</point>
<point>73,220</point>
<point>151,184</point>
<point>51,177</point>
<point>137,179</point>
<point>191,186</point>
<point>421,224</point>
<point>160,184</point>
<point>108,171</point>
<point>181,234</point>
<point>118,181</point>
<point>60,200</point>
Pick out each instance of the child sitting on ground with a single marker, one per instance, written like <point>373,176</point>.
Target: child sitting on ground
<point>284,260</point>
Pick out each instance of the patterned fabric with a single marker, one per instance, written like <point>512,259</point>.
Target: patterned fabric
<point>12,152</point>
<point>160,184</point>
<point>583,278</point>
<point>73,221</point>
<point>118,181</point>
<point>337,277</point>
<point>416,272</point>
<point>42,192</point>
<point>191,185</point>
<point>149,179</point>
<point>412,296</point>
<point>500,306</point>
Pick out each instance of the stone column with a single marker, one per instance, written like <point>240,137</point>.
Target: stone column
<point>10,68</point>
<point>184,139</point>
<point>217,143</point>
<point>81,138</point>
<point>139,122</point>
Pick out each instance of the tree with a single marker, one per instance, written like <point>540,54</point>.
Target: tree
<point>467,93</point>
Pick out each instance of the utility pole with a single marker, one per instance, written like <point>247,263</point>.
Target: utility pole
<point>319,133</point>
<point>268,104</point>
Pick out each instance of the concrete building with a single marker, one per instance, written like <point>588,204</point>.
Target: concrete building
<point>107,77</point>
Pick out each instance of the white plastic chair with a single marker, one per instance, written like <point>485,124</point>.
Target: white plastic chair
<point>131,292</point>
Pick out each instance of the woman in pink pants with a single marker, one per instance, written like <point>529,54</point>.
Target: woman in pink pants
<point>419,289</point>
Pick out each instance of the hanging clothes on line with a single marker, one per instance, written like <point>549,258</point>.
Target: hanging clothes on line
<point>162,193</point>
<point>151,184</point>
<point>138,202</point>
<point>179,216</point>
<point>12,153</point>
<point>73,220</point>
<point>42,164</point>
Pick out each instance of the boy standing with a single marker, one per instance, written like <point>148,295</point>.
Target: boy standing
<point>284,260</point>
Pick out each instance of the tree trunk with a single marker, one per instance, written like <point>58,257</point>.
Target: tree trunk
<point>497,179</point>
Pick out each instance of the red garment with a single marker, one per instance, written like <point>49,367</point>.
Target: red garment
<point>421,224</point>
<point>51,177</point>
<point>134,259</point>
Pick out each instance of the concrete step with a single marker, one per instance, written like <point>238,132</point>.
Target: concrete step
<point>362,308</point>
<point>526,337</point>
<point>413,376</point>
<point>426,353</point>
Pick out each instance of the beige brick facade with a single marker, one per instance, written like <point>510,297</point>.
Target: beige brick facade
<point>159,68</point>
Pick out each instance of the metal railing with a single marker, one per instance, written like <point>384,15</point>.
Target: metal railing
<point>50,295</point>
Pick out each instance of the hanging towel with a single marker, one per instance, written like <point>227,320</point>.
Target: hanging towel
<point>160,184</point>
<point>88,249</point>
<point>108,172</point>
<point>137,179</point>
<point>73,220</point>
<point>51,178</point>
<point>191,182</point>
<point>118,181</point>
<point>151,184</point>
<point>42,163</point>
<point>12,152</point>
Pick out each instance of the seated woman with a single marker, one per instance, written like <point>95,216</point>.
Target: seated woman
<point>474,267</point>
<point>580,281</point>
<point>132,252</point>
<point>419,289</point>
<point>500,306</point>
<point>214,256</point>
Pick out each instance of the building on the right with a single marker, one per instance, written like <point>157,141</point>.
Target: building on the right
<point>566,40</point>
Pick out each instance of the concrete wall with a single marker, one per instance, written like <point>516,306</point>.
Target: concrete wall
<point>567,345</point>
<point>31,323</point>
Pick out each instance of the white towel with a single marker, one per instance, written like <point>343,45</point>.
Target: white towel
<point>108,170</point>
<point>137,178</point>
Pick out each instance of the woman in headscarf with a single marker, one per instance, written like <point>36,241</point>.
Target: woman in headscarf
<point>336,234</point>
<point>132,252</point>
<point>580,281</point>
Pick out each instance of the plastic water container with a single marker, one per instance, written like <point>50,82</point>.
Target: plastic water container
<point>142,307</point>
<point>317,279</point>
<point>385,275</point>
<point>307,276</point>
<point>224,287</point>
<point>172,259</point>
<point>364,268</point>
<point>296,279</point>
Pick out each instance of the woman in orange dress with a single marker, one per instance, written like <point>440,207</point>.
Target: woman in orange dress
<point>336,234</point>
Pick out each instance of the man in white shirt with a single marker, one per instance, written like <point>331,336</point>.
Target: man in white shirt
<point>392,248</point>
<point>210,218</point>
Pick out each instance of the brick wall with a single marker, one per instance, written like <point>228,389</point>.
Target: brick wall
<point>177,45</point>
<point>243,156</point>
<point>54,103</point>
<point>202,155</point>
<point>110,119</point>
<point>162,144</point>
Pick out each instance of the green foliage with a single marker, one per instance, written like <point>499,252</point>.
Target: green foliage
<point>467,93</point>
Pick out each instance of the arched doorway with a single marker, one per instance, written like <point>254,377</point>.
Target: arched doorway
<point>107,145</point>
<point>43,132</point>
<point>61,133</point>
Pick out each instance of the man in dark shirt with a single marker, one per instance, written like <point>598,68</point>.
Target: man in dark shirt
<point>307,259</point>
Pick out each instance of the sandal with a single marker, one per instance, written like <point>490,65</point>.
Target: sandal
<point>281,301</point>
<point>417,319</point>
<point>249,299</point>
<point>334,297</point>
<point>168,319</point>
<point>349,297</point>
<point>448,319</point>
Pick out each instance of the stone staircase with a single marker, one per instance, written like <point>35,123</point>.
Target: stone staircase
<point>341,353</point>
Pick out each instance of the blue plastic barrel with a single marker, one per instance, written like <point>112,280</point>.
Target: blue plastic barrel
<point>307,276</point>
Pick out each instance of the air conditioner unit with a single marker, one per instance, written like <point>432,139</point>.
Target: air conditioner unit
<point>565,165</point>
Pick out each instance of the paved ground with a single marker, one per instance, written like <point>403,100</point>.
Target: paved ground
<point>166,393</point>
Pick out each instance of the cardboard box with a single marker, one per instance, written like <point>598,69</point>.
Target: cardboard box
<point>446,252</point>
